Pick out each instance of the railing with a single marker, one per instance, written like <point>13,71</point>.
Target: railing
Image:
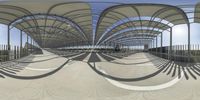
<point>178,53</point>
<point>16,52</point>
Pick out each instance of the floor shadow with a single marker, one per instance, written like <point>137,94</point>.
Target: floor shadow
<point>10,67</point>
<point>37,60</point>
<point>111,61</point>
<point>81,57</point>
<point>70,55</point>
<point>33,77</point>
<point>94,67</point>
<point>174,68</point>
<point>94,58</point>
<point>107,58</point>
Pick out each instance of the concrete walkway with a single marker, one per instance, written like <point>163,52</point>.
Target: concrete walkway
<point>76,80</point>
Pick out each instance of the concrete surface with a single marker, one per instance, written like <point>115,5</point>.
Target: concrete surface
<point>76,80</point>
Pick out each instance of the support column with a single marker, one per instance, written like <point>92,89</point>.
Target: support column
<point>8,37</point>
<point>27,39</point>
<point>20,43</point>
<point>170,46</point>
<point>161,41</point>
<point>27,44</point>
<point>20,39</point>
<point>156,45</point>
<point>153,43</point>
<point>31,45</point>
<point>189,51</point>
<point>8,45</point>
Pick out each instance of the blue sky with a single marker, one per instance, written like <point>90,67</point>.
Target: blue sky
<point>179,31</point>
<point>14,36</point>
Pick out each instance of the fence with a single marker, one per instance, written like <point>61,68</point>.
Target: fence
<point>178,53</point>
<point>15,52</point>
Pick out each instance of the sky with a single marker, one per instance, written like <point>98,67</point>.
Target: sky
<point>179,31</point>
<point>14,36</point>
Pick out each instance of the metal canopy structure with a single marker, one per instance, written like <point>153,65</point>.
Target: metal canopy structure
<point>151,25</point>
<point>144,33</point>
<point>59,24</point>
<point>53,24</point>
<point>158,14</point>
<point>197,13</point>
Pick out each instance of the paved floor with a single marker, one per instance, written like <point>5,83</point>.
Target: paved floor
<point>140,76</point>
